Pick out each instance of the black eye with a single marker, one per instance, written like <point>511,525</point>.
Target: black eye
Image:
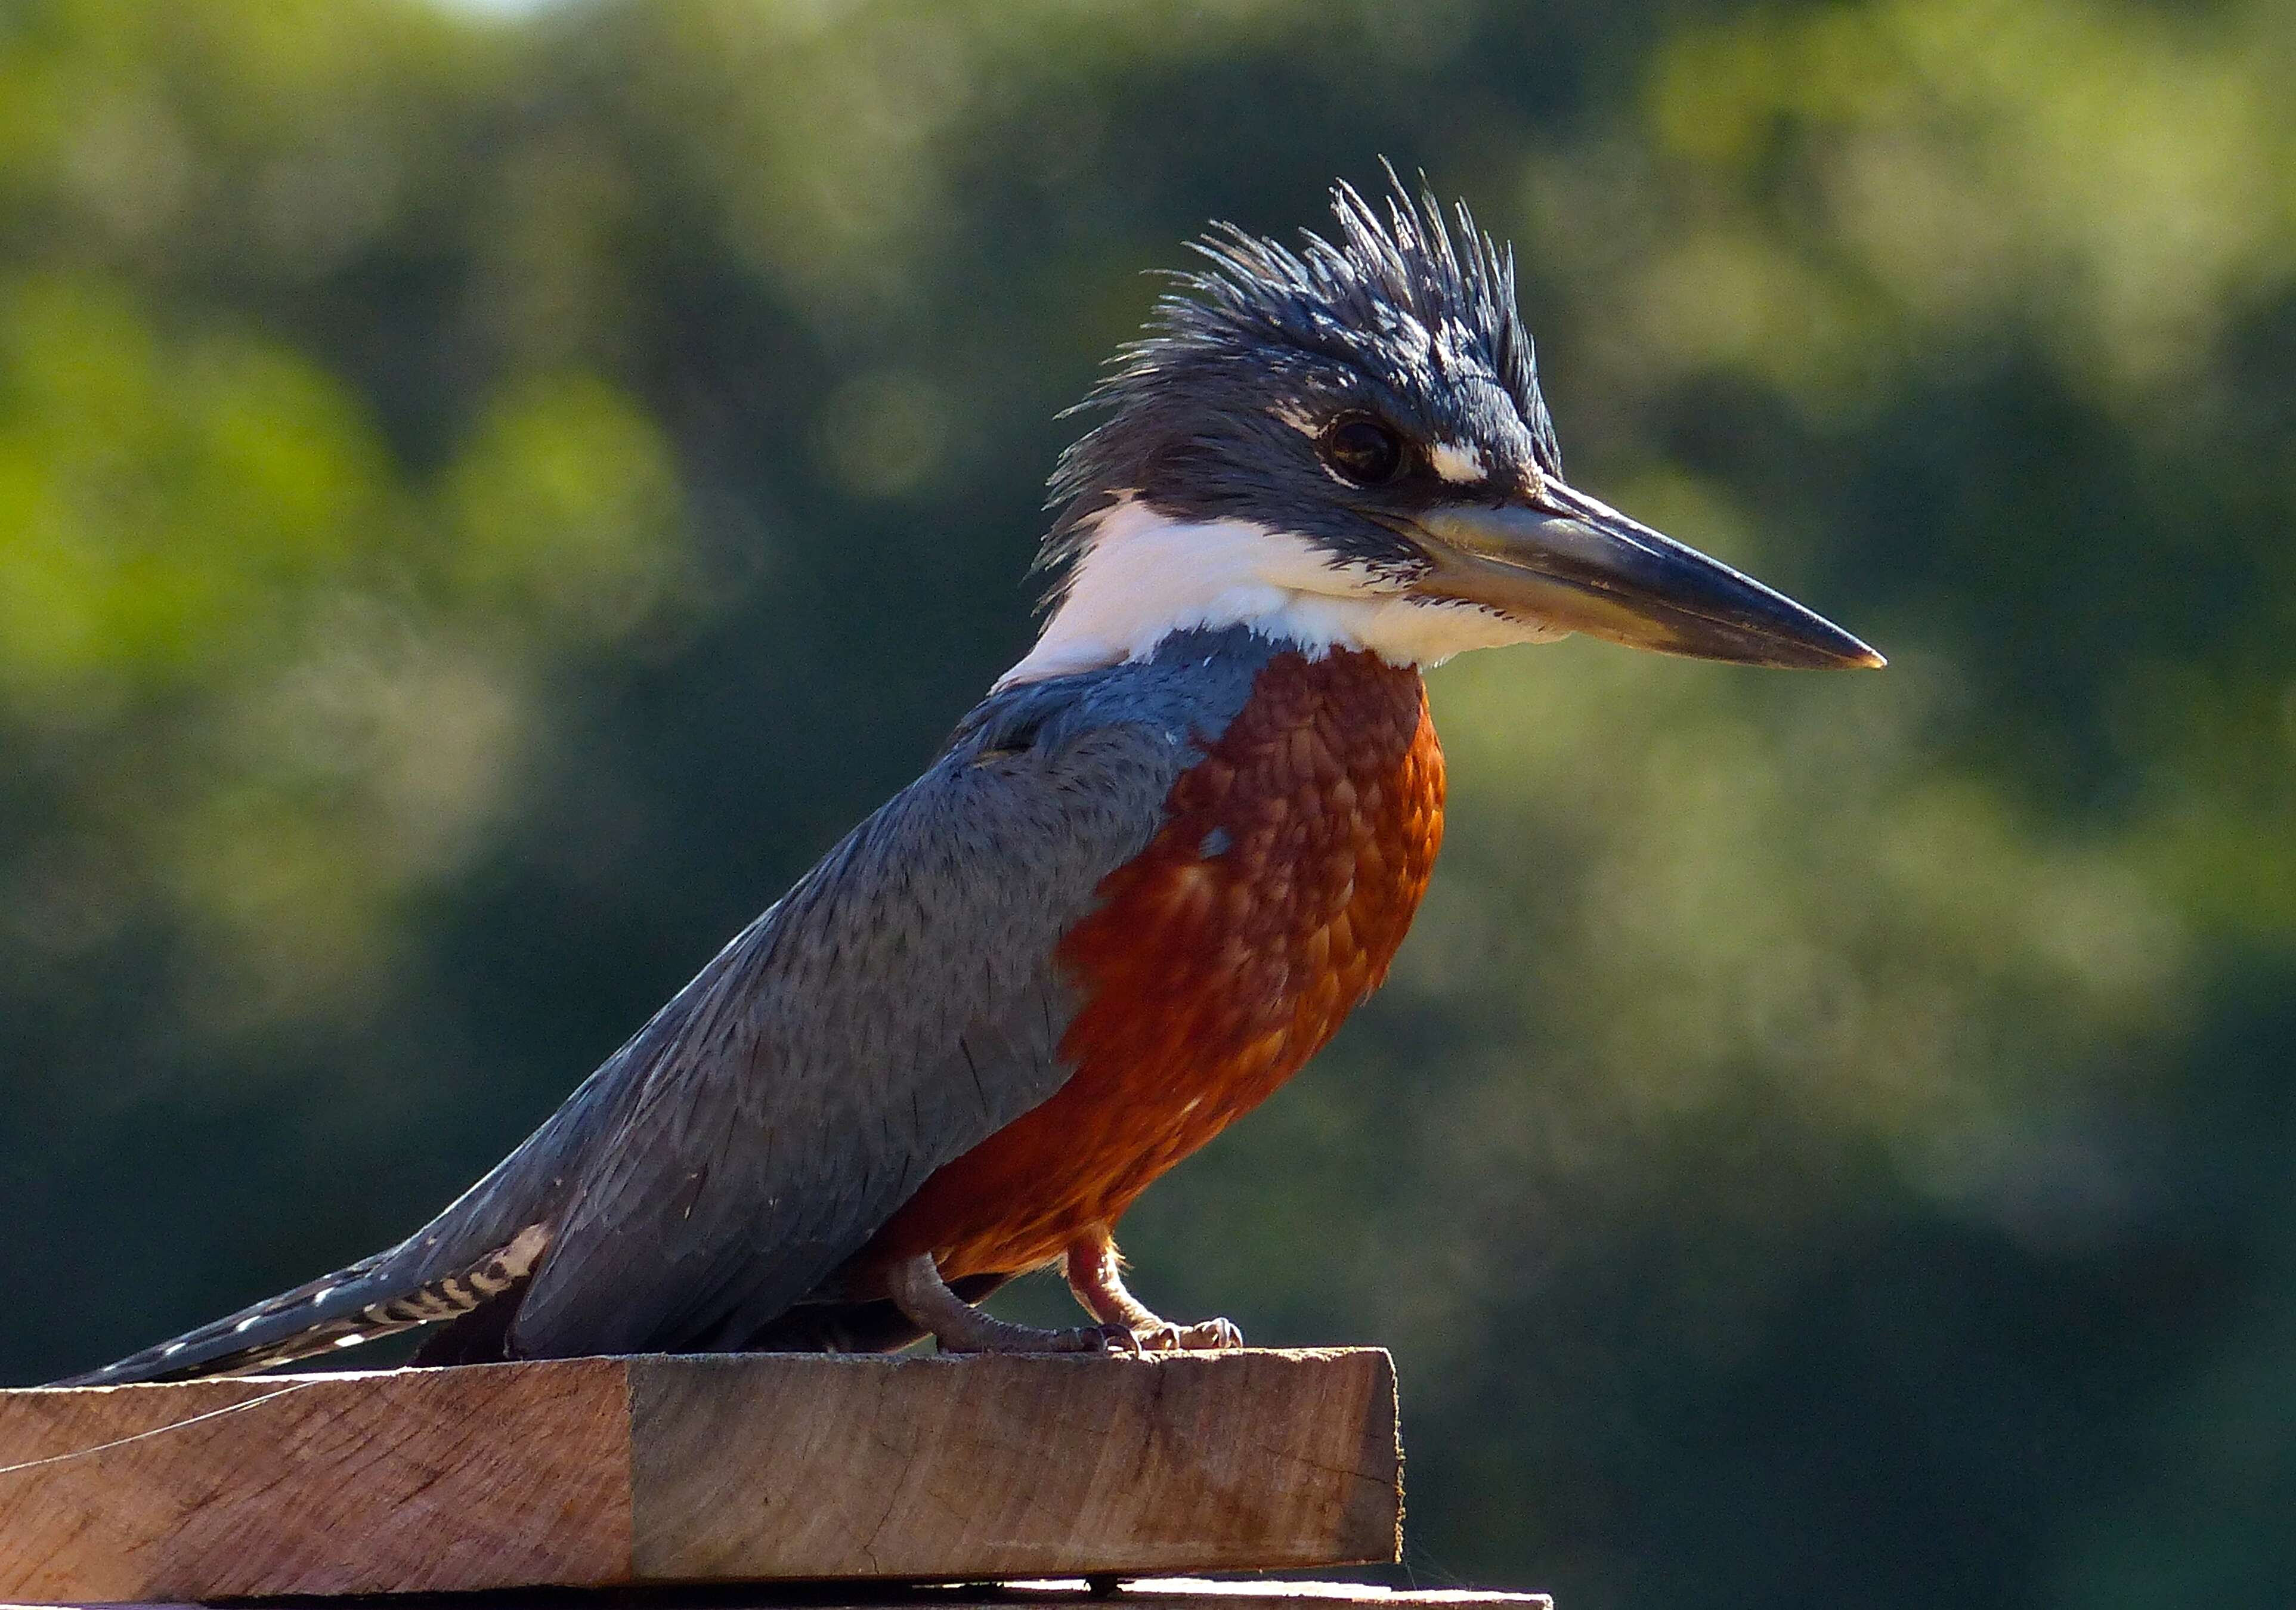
<point>1365,451</point>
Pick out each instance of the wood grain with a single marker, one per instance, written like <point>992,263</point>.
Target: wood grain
<point>986,1467</point>
<point>1160,1593</point>
<point>612,1472</point>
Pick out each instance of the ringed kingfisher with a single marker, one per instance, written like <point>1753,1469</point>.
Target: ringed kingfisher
<point>1143,882</point>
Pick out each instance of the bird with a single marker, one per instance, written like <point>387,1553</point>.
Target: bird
<point>1145,879</point>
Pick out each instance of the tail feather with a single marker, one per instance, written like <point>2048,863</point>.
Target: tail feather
<point>369,1299</point>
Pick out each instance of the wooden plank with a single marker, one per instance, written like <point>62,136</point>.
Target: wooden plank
<point>988,1468</point>
<point>1161,1593</point>
<point>607,1472</point>
<point>389,1481</point>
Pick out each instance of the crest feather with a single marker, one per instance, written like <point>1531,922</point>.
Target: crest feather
<point>1382,282</point>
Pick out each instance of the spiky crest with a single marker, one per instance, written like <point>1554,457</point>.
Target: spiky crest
<point>1383,298</point>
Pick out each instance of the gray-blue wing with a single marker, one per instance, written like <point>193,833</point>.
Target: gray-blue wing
<point>896,1009</point>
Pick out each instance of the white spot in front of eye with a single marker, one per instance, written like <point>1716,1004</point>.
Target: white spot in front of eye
<point>1461,465</point>
<point>1299,418</point>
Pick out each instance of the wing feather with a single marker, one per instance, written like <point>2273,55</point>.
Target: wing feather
<point>896,1009</point>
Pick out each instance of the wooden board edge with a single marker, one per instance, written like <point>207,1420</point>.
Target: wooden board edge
<point>184,1528</point>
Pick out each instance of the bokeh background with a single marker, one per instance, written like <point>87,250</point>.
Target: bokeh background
<point>487,495</point>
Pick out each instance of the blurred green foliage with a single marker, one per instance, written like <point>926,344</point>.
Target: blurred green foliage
<point>485,500</point>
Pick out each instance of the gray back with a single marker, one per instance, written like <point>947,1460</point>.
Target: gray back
<point>896,1009</point>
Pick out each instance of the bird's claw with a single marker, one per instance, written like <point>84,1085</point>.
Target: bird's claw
<point>999,1337</point>
<point>1208,1335</point>
<point>1081,1338</point>
<point>1110,1341</point>
<point>1115,1341</point>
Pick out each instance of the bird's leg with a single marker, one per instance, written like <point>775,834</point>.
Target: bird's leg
<point>1096,1276</point>
<point>956,1326</point>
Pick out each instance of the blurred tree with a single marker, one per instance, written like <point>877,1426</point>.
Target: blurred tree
<point>485,499</point>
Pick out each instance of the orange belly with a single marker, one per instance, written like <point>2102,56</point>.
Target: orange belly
<point>1218,962</point>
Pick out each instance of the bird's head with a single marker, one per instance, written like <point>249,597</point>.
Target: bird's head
<point>1344,446</point>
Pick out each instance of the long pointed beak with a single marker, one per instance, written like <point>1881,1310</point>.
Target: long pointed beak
<point>1567,560</point>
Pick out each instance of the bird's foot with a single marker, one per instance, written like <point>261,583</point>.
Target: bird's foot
<point>1207,1336</point>
<point>1134,1341</point>
<point>1095,1274</point>
<point>1000,1336</point>
<point>956,1326</point>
